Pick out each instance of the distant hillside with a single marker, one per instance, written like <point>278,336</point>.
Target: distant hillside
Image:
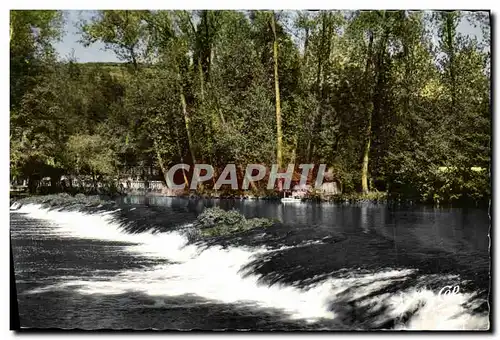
<point>118,70</point>
<point>115,69</point>
<point>104,64</point>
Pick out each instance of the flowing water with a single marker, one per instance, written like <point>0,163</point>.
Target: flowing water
<point>323,267</point>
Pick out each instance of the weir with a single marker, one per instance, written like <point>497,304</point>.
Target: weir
<point>248,272</point>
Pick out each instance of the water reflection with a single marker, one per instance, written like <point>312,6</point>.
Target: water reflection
<point>364,218</point>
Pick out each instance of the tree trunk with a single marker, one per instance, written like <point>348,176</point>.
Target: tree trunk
<point>221,115</point>
<point>279,134</point>
<point>160,163</point>
<point>204,62</point>
<point>94,181</point>
<point>11,27</point>
<point>207,52</point>
<point>320,77</point>
<point>180,156</point>
<point>366,149</point>
<point>294,151</point>
<point>53,184</point>
<point>134,60</point>
<point>303,76</point>
<point>366,155</point>
<point>32,184</point>
<point>306,45</point>
<point>374,99</point>
<point>187,122</point>
<point>202,83</point>
<point>451,51</point>
<point>308,152</point>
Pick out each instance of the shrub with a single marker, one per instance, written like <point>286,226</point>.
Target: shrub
<point>218,222</point>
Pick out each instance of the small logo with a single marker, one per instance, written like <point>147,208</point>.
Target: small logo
<point>448,290</point>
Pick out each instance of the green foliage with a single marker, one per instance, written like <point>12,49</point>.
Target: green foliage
<point>90,151</point>
<point>404,88</point>
<point>458,185</point>
<point>357,197</point>
<point>31,35</point>
<point>124,32</point>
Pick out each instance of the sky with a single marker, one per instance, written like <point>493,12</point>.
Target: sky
<point>69,44</point>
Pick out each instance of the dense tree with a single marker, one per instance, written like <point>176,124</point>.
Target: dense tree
<point>393,101</point>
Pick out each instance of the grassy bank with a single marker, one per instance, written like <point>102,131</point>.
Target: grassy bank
<point>375,197</point>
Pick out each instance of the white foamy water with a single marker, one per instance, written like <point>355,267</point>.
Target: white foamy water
<point>214,274</point>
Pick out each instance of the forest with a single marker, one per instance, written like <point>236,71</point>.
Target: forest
<point>396,102</point>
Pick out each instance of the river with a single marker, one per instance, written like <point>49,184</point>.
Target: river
<point>322,267</point>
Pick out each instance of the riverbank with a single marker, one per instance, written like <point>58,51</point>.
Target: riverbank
<point>374,197</point>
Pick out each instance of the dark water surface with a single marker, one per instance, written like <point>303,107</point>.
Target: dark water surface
<point>323,266</point>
